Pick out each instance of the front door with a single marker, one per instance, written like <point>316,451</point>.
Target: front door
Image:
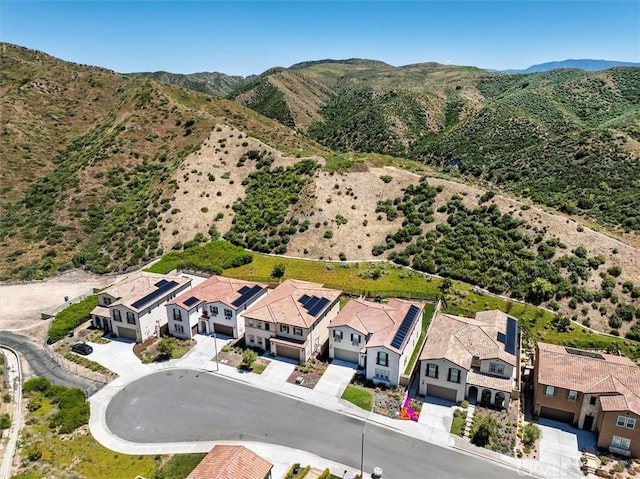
<point>588,423</point>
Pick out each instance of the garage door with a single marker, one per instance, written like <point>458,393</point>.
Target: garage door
<point>127,333</point>
<point>556,414</point>
<point>226,330</point>
<point>288,352</point>
<point>345,355</point>
<point>442,392</point>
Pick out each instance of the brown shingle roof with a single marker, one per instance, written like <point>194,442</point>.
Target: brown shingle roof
<point>379,322</point>
<point>282,305</point>
<point>458,339</point>
<point>214,289</point>
<point>598,374</point>
<point>231,462</point>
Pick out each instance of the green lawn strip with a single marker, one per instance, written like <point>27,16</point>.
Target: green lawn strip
<point>358,396</point>
<point>258,368</point>
<point>179,466</point>
<point>458,423</point>
<point>212,257</point>
<point>70,317</point>
<point>429,308</point>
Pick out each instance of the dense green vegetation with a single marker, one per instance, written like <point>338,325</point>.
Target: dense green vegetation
<point>267,100</point>
<point>72,406</point>
<point>70,317</point>
<point>179,466</point>
<point>259,223</point>
<point>212,257</point>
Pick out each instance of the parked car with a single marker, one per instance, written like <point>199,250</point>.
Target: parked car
<point>82,348</point>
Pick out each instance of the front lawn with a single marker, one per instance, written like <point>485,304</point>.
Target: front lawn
<point>358,396</point>
<point>458,423</point>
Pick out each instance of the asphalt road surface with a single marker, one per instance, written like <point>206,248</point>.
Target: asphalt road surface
<point>183,406</point>
<point>42,364</point>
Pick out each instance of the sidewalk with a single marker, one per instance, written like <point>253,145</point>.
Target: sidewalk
<point>433,426</point>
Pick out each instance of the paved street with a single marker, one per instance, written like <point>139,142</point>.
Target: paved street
<point>182,405</point>
<point>42,364</point>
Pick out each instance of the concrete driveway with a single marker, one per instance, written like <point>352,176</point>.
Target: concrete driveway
<point>117,356</point>
<point>560,446</point>
<point>336,378</point>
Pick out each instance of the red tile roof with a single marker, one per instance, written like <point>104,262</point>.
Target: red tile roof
<point>214,289</point>
<point>591,373</point>
<point>231,462</point>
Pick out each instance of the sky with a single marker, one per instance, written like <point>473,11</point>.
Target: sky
<point>248,37</point>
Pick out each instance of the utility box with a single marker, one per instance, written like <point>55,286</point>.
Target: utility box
<point>377,473</point>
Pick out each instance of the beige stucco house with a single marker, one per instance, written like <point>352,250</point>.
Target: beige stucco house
<point>215,305</point>
<point>292,319</point>
<point>590,390</point>
<point>134,307</point>
<point>471,358</point>
<point>380,338</point>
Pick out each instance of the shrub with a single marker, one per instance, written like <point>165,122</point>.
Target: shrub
<point>278,270</point>
<point>328,234</point>
<point>386,178</point>
<point>33,451</point>
<point>484,432</point>
<point>70,317</point>
<point>249,356</point>
<point>165,347</point>
<point>615,271</point>
<point>5,422</point>
<point>530,435</point>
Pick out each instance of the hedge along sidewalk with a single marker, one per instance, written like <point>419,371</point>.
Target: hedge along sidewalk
<point>71,317</point>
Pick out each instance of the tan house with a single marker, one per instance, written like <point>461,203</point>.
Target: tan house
<point>380,338</point>
<point>593,391</point>
<point>232,462</point>
<point>215,305</point>
<point>292,319</point>
<point>134,307</point>
<point>471,358</point>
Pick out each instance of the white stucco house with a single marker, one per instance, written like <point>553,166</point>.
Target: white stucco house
<point>471,358</point>
<point>292,319</point>
<point>134,307</point>
<point>380,338</point>
<point>215,305</point>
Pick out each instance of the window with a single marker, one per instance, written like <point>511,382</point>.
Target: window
<point>297,331</point>
<point>177,314</point>
<point>106,301</point>
<point>454,375</point>
<point>131,318</point>
<point>228,313</point>
<point>355,338</point>
<point>116,315</point>
<point>432,370</point>
<point>214,310</point>
<point>337,335</point>
<point>284,328</point>
<point>250,322</point>
<point>382,359</point>
<point>592,400</point>
<point>621,442</point>
<point>496,368</point>
<point>259,324</point>
<point>178,328</point>
<point>549,391</point>
<point>252,338</point>
<point>382,374</point>
<point>572,395</point>
<point>627,422</point>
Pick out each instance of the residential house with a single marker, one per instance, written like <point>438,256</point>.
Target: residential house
<point>215,305</point>
<point>232,462</point>
<point>590,390</point>
<point>471,358</point>
<point>292,319</point>
<point>380,338</point>
<point>133,308</point>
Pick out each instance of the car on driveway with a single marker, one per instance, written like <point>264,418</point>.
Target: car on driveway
<point>82,348</point>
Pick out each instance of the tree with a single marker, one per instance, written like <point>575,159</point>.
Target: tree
<point>278,270</point>
<point>485,431</point>
<point>530,434</point>
<point>445,286</point>
<point>540,290</point>
<point>249,356</point>
<point>165,347</point>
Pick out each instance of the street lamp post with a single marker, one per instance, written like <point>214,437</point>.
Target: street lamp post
<point>362,452</point>
<point>215,345</point>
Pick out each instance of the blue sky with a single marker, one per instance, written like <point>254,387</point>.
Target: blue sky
<point>243,37</point>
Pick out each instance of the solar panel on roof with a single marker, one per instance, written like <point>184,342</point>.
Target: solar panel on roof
<point>304,298</point>
<point>311,303</point>
<point>191,301</point>
<point>319,306</point>
<point>406,325</point>
<point>501,337</point>
<point>160,283</point>
<point>512,335</point>
<point>153,295</point>
<point>247,295</point>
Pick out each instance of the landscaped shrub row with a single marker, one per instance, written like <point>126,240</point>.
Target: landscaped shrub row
<point>70,317</point>
<point>212,257</point>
